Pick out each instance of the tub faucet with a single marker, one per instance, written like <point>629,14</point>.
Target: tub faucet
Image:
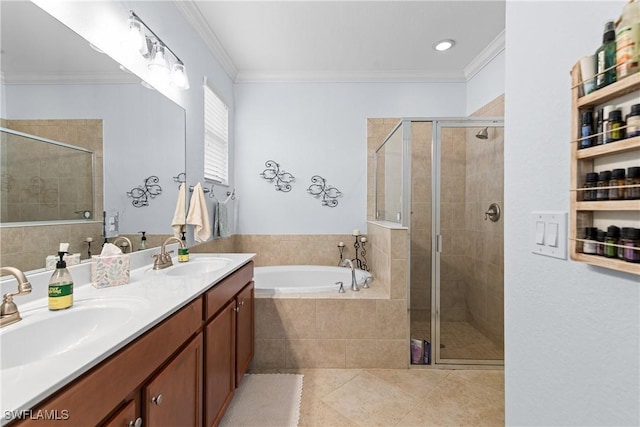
<point>163,259</point>
<point>126,243</point>
<point>354,282</point>
<point>8,310</point>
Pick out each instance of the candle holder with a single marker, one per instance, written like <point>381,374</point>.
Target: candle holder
<point>359,245</point>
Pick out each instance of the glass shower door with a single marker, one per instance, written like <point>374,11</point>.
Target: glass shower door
<point>468,266</point>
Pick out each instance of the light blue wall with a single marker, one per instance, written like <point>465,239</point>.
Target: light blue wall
<point>572,332</point>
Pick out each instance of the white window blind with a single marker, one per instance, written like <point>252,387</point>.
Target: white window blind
<point>216,138</point>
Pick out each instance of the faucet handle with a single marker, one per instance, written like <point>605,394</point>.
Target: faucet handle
<point>341,288</point>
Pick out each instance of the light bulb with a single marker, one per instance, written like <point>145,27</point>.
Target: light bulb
<point>179,76</point>
<point>159,63</point>
<point>135,36</point>
<point>443,45</point>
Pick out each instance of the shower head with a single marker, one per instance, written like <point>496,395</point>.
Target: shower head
<point>483,134</point>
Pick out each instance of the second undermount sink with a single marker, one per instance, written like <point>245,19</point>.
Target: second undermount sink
<point>199,265</point>
<point>43,334</point>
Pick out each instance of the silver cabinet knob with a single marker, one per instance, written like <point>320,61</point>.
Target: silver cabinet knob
<point>136,423</point>
<point>157,399</point>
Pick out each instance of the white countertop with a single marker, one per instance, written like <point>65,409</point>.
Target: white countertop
<point>156,296</point>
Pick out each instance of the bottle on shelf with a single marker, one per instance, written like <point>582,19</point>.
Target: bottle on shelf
<point>613,234</point>
<point>602,193</point>
<point>617,181</point>
<point>633,121</point>
<point>605,57</point>
<point>586,130</point>
<point>628,40</point>
<point>615,126</point>
<point>590,182</point>
<point>633,178</point>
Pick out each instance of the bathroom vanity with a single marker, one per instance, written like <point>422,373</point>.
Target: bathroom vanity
<point>179,365</point>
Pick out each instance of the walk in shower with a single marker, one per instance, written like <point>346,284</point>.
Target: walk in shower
<point>443,179</point>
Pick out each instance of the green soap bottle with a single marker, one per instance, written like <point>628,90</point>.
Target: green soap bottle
<point>60,286</point>
<point>605,57</point>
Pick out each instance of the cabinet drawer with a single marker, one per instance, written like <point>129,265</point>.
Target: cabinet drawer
<point>220,294</point>
<point>93,396</point>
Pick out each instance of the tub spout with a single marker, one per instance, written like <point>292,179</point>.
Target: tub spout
<point>354,282</point>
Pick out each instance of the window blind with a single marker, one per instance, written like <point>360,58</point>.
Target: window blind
<point>216,138</point>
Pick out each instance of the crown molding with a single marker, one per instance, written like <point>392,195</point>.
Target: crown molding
<point>349,77</point>
<point>492,50</point>
<point>194,17</point>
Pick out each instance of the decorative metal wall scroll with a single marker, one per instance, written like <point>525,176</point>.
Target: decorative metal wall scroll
<point>142,193</point>
<point>319,189</point>
<point>274,173</point>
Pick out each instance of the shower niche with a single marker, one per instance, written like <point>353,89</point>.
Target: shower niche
<point>440,179</point>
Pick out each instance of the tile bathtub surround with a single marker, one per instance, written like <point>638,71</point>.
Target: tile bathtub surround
<point>334,332</point>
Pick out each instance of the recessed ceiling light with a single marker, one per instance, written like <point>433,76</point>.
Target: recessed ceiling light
<point>443,45</point>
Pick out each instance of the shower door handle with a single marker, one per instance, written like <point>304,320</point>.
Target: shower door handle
<point>439,243</point>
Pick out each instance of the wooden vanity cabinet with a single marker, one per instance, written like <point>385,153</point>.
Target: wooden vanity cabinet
<point>228,336</point>
<point>198,354</point>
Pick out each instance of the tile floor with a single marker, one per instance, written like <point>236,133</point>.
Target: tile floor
<point>401,397</point>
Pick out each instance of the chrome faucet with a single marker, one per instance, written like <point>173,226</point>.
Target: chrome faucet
<point>354,282</point>
<point>8,310</point>
<point>124,247</point>
<point>163,259</point>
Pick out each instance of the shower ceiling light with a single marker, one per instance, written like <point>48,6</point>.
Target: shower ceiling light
<point>443,45</point>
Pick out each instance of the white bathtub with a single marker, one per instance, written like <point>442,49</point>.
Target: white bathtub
<point>287,279</point>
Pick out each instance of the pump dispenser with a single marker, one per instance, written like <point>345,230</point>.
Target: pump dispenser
<point>61,283</point>
<point>143,241</point>
<point>183,253</point>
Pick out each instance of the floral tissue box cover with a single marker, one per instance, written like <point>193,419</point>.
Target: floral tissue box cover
<point>109,271</point>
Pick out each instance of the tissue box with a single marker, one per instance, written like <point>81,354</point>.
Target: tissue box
<point>110,270</point>
<point>70,259</point>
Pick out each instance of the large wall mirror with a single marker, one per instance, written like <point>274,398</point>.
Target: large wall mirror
<point>57,87</point>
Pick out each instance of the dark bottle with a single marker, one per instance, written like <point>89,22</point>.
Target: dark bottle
<point>591,182</point>
<point>600,242</point>
<point>616,192</point>
<point>612,237</point>
<point>590,245</point>
<point>586,130</point>
<point>602,193</point>
<point>599,127</point>
<point>626,238</point>
<point>633,178</point>
<point>615,126</point>
<point>605,57</point>
<point>632,245</point>
<point>633,121</point>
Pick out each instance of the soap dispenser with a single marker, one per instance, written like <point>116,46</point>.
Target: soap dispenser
<point>143,241</point>
<point>61,283</point>
<point>183,252</point>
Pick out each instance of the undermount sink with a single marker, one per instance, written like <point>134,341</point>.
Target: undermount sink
<point>199,265</point>
<point>43,334</point>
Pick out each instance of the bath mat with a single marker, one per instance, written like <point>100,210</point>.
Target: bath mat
<point>265,400</point>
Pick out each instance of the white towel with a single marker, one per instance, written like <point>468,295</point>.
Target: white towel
<point>179,215</point>
<point>198,216</point>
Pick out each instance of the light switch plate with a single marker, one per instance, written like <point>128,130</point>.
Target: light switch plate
<point>554,231</point>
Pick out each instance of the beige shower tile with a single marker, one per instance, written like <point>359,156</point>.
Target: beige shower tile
<point>398,279</point>
<point>269,354</point>
<point>391,319</point>
<point>369,401</point>
<point>315,413</point>
<point>361,353</point>
<point>457,402</point>
<point>311,353</point>
<point>417,382</point>
<point>320,382</point>
<point>393,354</point>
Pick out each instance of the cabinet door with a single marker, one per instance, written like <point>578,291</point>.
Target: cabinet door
<point>125,417</point>
<point>244,331</point>
<point>173,396</point>
<point>219,363</point>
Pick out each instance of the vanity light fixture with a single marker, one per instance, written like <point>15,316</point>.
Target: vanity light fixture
<point>443,45</point>
<point>162,60</point>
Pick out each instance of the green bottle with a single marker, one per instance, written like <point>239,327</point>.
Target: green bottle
<point>606,57</point>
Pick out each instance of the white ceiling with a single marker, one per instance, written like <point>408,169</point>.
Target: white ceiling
<point>294,40</point>
<point>348,40</point>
